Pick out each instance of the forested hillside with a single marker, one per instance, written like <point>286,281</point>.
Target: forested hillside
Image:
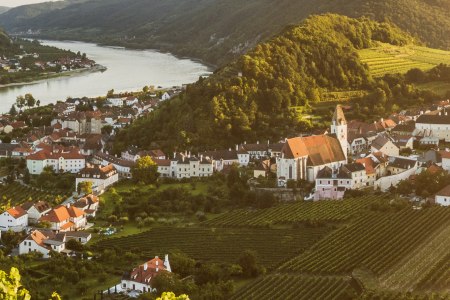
<point>215,30</point>
<point>262,94</point>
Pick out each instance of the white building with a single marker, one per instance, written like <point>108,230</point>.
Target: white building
<point>303,157</point>
<point>61,161</point>
<point>122,166</point>
<point>140,278</point>
<point>189,167</point>
<point>100,176</point>
<point>445,156</point>
<point>384,145</point>
<point>36,210</point>
<point>434,125</point>
<point>15,219</point>
<point>224,158</point>
<point>332,184</point>
<point>443,196</point>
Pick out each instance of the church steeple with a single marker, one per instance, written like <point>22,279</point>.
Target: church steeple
<point>339,128</point>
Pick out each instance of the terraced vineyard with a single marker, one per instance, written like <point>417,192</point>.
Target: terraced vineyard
<point>387,58</point>
<point>19,194</point>
<point>297,212</point>
<point>438,278</point>
<point>376,241</point>
<point>273,246</point>
<point>299,287</point>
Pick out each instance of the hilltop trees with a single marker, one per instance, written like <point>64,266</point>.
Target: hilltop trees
<point>257,96</point>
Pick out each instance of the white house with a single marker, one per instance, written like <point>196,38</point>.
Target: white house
<point>88,204</point>
<point>117,102</point>
<point>61,161</point>
<point>445,156</point>
<point>188,167</point>
<point>332,184</point>
<point>140,278</point>
<point>100,176</point>
<point>15,219</point>
<point>223,158</point>
<point>36,210</point>
<point>65,218</point>
<point>443,196</point>
<point>384,145</point>
<point>165,96</point>
<point>122,166</point>
<point>356,143</point>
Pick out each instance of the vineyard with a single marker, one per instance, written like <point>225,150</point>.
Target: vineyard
<point>297,212</point>
<point>301,287</point>
<point>387,58</point>
<point>18,194</point>
<point>376,241</point>
<point>273,246</point>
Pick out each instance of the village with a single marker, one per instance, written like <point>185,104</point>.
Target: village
<point>350,156</point>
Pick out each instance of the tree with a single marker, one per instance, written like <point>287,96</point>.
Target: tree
<point>13,110</point>
<point>145,170</point>
<point>38,103</point>
<point>29,100</point>
<point>26,176</point>
<point>74,245</point>
<point>172,296</point>
<point>249,265</point>
<point>84,187</point>
<point>110,93</point>
<point>20,102</point>
<point>10,286</point>
<point>107,129</point>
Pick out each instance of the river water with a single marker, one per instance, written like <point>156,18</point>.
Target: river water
<point>127,70</point>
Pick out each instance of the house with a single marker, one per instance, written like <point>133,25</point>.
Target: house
<point>443,196</point>
<point>384,145</point>
<point>256,151</point>
<point>332,184</point>
<point>399,165</point>
<point>165,96</point>
<point>357,143</point>
<point>15,219</point>
<point>100,176</point>
<point>404,141</point>
<point>45,241</point>
<point>191,166</point>
<point>434,125</point>
<point>141,277</point>
<point>223,158</point>
<point>88,204</point>
<point>65,218</point>
<point>445,159</point>
<point>164,167</point>
<point>36,210</point>
<point>371,169</point>
<point>122,166</point>
<point>133,153</point>
<point>262,169</point>
<point>71,161</point>
<point>303,157</point>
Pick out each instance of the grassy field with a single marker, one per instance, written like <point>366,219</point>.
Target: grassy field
<point>387,58</point>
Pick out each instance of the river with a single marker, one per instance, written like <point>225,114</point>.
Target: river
<point>127,70</point>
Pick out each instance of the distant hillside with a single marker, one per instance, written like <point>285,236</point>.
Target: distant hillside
<point>266,93</point>
<point>215,30</point>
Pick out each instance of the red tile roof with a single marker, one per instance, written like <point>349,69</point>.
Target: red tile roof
<point>16,212</point>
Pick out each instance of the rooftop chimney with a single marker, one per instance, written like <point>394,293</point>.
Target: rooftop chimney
<point>145,266</point>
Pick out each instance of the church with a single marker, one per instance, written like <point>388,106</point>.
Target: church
<point>303,157</point>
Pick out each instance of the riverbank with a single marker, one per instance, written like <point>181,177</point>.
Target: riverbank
<point>77,72</point>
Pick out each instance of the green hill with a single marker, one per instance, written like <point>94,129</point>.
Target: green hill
<point>266,94</point>
<point>215,30</point>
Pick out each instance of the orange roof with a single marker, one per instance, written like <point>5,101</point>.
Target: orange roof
<point>68,225</point>
<point>38,237</point>
<point>445,154</point>
<point>147,271</point>
<point>320,149</point>
<point>46,154</point>
<point>56,215</point>
<point>433,169</point>
<point>75,212</point>
<point>368,163</point>
<point>16,212</point>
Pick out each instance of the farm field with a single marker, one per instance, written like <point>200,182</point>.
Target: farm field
<point>394,235</point>
<point>220,245</point>
<point>18,194</point>
<point>299,287</point>
<point>386,58</point>
<point>297,212</point>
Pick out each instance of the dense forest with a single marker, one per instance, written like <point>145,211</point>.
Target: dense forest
<point>257,96</point>
<point>214,30</point>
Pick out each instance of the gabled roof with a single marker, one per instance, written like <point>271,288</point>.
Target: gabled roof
<point>444,192</point>
<point>320,149</point>
<point>16,212</point>
<point>402,163</point>
<point>369,164</point>
<point>147,271</point>
<point>380,142</point>
<point>440,118</point>
<point>339,116</point>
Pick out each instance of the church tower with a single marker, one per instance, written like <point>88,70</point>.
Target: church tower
<point>339,128</point>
